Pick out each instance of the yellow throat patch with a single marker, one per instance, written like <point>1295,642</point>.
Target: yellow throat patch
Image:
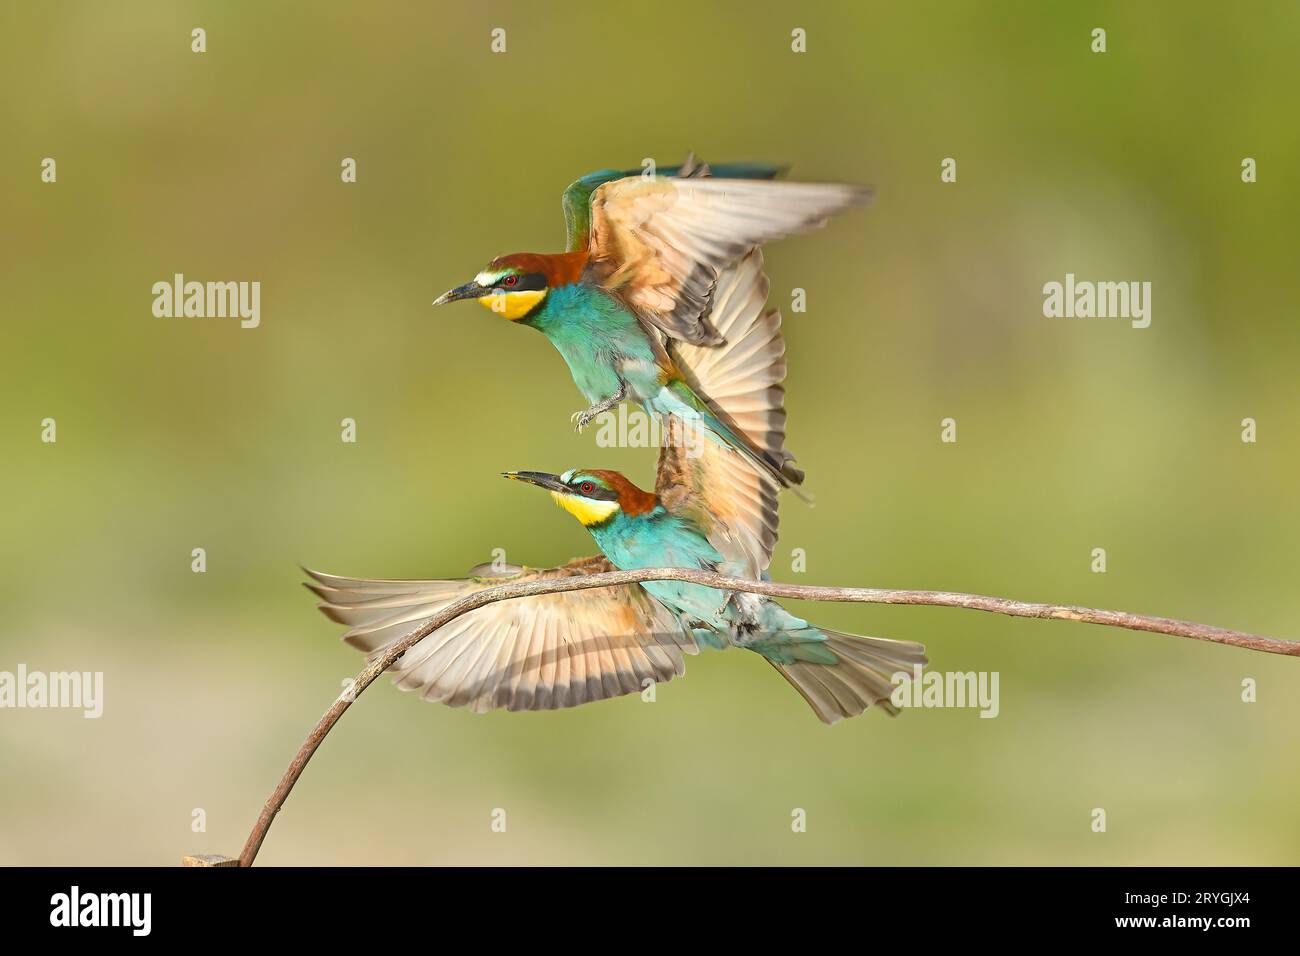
<point>585,510</point>
<point>512,305</point>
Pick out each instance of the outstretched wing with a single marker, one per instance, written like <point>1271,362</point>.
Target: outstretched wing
<point>536,653</point>
<point>577,198</point>
<point>718,489</point>
<point>660,243</point>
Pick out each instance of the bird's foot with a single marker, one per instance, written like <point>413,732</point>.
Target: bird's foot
<point>585,417</point>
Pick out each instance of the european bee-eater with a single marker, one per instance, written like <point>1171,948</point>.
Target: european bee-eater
<point>561,650</point>
<point>840,675</point>
<point>710,509</point>
<point>640,279</point>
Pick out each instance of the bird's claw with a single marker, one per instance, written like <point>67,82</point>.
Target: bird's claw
<point>585,417</point>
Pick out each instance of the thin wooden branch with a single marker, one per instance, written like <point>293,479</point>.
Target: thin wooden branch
<point>508,591</point>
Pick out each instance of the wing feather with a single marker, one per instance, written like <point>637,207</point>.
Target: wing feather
<point>538,653</point>
<point>742,379</point>
<point>661,243</point>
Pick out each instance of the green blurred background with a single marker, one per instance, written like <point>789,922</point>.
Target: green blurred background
<point>183,433</point>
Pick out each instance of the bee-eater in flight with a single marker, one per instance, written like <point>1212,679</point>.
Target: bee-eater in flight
<point>709,510</point>
<point>640,280</point>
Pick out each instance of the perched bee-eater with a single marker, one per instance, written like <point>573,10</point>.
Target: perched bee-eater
<point>640,278</point>
<point>560,650</point>
<point>839,675</point>
<point>710,509</point>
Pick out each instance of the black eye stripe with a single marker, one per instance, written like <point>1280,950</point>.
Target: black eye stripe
<point>597,492</point>
<point>532,282</point>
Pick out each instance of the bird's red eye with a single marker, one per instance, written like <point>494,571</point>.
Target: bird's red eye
<point>509,281</point>
<point>586,487</point>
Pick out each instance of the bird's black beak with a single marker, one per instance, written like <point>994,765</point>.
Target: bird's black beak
<point>470,290</point>
<point>540,479</point>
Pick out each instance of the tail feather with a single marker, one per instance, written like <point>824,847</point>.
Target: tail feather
<point>859,678</point>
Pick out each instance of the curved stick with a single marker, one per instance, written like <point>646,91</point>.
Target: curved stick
<point>504,592</point>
